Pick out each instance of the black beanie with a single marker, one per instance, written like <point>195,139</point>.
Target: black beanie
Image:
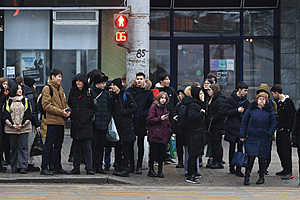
<point>29,81</point>
<point>195,92</point>
<point>100,78</point>
<point>118,82</point>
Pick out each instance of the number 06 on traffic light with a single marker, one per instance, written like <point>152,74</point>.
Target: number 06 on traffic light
<point>120,26</point>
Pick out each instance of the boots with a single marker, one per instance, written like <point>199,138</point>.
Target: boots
<point>160,170</point>
<point>238,172</point>
<point>261,180</point>
<point>231,169</point>
<point>151,172</point>
<point>247,179</point>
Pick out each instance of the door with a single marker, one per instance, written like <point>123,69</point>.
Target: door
<point>195,61</point>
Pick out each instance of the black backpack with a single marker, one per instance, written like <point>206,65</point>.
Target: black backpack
<point>39,105</point>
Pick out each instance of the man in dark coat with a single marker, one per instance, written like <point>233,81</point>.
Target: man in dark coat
<point>236,105</point>
<point>123,109</point>
<point>286,112</point>
<point>82,106</point>
<point>143,96</point>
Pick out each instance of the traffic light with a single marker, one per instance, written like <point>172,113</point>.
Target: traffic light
<point>120,25</point>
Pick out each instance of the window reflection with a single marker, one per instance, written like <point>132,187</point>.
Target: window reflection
<point>258,23</point>
<point>160,23</point>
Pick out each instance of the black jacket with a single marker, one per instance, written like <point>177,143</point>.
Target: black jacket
<point>103,108</point>
<point>173,99</point>
<point>144,100</point>
<point>123,109</point>
<point>234,118</point>
<point>82,106</point>
<point>286,112</point>
<point>216,113</point>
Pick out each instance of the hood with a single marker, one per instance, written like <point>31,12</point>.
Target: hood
<point>118,83</point>
<point>187,100</point>
<point>158,85</point>
<point>195,92</point>
<point>268,107</point>
<point>80,77</point>
<point>148,84</point>
<point>265,88</point>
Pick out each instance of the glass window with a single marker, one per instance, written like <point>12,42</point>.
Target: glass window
<point>258,64</point>
<point>159,59</point>
<point>160,23</point>
<point>26,44</point>
<point>206,23</point>
<point>258,23</point>
<point>75,49</point>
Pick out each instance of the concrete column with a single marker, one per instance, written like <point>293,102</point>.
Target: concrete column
<point>137,57</point>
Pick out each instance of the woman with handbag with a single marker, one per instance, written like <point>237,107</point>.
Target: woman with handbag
<point>257,127</point>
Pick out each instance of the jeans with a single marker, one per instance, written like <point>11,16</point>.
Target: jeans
<point>18,151</point>
<point>107,157</point>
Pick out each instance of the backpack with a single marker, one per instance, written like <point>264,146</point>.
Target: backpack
<point>39,105</point>
<point>182,111</point>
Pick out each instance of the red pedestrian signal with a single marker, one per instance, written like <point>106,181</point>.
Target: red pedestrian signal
<point>120,26</point>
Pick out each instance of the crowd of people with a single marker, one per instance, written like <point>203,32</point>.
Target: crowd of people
<point>200,116</point>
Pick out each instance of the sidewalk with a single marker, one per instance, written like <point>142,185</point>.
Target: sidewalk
<point>173,176</point>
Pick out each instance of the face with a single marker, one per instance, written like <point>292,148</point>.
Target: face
<point>79,84</point>
<point>261,101</point>
<point>275,95</point>
<point>140,81</point>
<point>201,95</point>
<point>19,91</point>
<point>206,84</point>
<point>5,85</point>
<point>163,100</point>
<point>165,82</point>
<point>57,79</point>
<point>243,92</point>
<point>210,92</point>
<point>180,96</point>
<point>101,85</point>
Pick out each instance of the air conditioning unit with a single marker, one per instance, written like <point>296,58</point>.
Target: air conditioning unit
<point>75,17</point>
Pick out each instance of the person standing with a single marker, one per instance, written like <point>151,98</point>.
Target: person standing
<point>159,133</point>
<point>18,121</point>
<point>286,112</point>
<point>143,96</point>
<point>57,111</point>
<point>236,105</point>
<point>257,127</point>
<point>82,105</point>
<point>296,137</point>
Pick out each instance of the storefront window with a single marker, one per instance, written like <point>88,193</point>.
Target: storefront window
<point>258,64</point>
<point>207,23</point>
<point>258,23</point>
<point>160,23</point>
<point>159,59</point>
<point>26,45</point>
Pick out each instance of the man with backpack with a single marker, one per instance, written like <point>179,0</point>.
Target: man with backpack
<point>57,111</point>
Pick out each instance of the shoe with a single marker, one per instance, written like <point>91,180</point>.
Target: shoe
<point>138,170</point>
<point>281,173</point>
<point>75,171</point>
<point>46,172</point>
<point>90,172</point>
<point>198,175</point>
<point>267,173</point>
<point>261,180</point>
<point>287,177</point>
<point>100,171</point>
<point>209,163</point>
<point>123,173</point>
<point>32,168</point>
<point>239,174</point>
<point>192,180</point>
<point>232,170</point>
<point>60,171</point>
<point>217,166</point>
<point>160,175</point>
<point>23,171</point>
<point>151,173</point>
<point>247,180</point>
<point>180,165</point>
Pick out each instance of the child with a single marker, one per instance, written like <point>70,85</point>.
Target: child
<point>159,133</point>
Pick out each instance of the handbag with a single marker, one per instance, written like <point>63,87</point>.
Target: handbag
<point>112,133</point>
<point>240,159</point>
<point>37,145</point>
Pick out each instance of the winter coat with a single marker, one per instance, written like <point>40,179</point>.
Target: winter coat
<point>159,130</point>
<point>286,112</point>
<point>216,113</point>
<point>17,111</point>
<point>144,99</point>
<point>234,118</point>
<point>103,108</point>
<point>82,106</point>
<point>54,106</point>
<point>123,108</point>
<point>258,126</point>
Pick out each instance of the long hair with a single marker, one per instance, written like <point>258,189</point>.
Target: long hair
<point>160,95</point>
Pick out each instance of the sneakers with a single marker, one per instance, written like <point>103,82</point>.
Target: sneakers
<point>287,177</point>
<point>192,180</point>
<point>261,180</point>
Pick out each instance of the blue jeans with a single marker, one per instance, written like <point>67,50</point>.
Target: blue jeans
<point>107,158</point>
<point>54,141</point>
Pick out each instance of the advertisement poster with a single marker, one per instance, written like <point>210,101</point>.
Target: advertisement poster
<point>221,64</point>
<point>10,71</point>
<point>32,65</point>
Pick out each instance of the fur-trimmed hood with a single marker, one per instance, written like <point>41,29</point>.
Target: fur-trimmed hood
<point>148,84</point>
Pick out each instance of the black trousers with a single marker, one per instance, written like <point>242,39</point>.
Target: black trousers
<point>123,149</point>
<point>141,151</point>
<point>179,147</point>
<point>235,146</point>
<point>261,164</point>
<point>216,146</point>
<point>284,149</point>
<point>87,153</point>
<point>98,148</point>
<point>269,159</point>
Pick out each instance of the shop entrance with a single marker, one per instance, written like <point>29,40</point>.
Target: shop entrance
<point>194,60</point>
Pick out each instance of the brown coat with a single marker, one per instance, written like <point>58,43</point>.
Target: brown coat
<point>54,106</point>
